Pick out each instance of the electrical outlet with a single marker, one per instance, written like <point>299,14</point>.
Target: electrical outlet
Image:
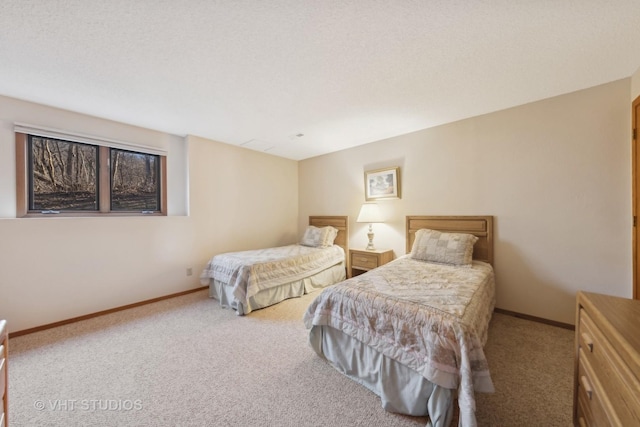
<point>189,271</point>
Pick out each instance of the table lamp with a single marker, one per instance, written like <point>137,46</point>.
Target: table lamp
<point>369,212</point>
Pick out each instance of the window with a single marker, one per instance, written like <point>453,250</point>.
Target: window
<point>134,181</point>
<point>74,178</point>
<point>63,175</point>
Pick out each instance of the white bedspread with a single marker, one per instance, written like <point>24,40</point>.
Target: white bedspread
<point>432,318</point>
<point>250,272</point>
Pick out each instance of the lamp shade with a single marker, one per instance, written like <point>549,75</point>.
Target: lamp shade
<point>369,212</point>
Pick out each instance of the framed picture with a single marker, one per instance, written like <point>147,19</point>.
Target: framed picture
<point>382,184</point>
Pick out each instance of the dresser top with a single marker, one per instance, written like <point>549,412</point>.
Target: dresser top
<point>622,314</point>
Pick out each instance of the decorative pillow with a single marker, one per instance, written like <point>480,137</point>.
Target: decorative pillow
<point>319,237</point>
<point>444,248</point>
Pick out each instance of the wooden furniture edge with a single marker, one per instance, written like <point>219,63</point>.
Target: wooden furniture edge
<point>4,344</point>
<point>610,323</point>
<point>619,342</point>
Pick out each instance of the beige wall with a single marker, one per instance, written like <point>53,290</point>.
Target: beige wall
<point>53,269</point>
<point>556,174</point>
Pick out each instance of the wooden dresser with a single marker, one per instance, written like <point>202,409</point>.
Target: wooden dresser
<point>607,361</point>
<point>4,377</point>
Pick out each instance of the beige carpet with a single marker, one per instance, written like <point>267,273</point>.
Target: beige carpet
<point>188,362</point>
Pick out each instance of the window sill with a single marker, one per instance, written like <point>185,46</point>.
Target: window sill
<point>91,214</point>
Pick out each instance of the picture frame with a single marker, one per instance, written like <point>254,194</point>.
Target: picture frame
<point>382,184</point>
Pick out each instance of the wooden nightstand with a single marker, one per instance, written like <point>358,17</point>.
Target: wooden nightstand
<point>362,260</point>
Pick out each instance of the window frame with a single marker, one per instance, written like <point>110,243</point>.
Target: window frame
<point>104,184</point>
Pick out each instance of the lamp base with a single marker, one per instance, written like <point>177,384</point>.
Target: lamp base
<point>370,246</point>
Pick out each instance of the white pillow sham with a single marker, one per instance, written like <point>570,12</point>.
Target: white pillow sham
<point>319,237</point>
<point>443,248</point>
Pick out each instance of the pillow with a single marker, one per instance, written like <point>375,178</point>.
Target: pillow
<point>444,248</point>
<point>319,237</point>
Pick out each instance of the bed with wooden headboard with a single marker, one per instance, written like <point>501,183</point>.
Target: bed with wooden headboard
<point>249,280</point>
<point>340,223</point>
<point>479,226</point>
<point>413,330</point>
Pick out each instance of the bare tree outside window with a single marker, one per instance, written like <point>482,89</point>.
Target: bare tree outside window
<point>67,176</point>
<point>134,181</point>
<point>63,175</point>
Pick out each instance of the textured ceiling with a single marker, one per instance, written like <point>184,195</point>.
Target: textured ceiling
<point>342,73</point>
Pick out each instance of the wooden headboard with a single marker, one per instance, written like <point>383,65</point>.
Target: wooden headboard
<point>480,226</point>
<point>341,223</point>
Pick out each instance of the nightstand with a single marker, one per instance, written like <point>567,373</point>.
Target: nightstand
<point>362,260</point>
